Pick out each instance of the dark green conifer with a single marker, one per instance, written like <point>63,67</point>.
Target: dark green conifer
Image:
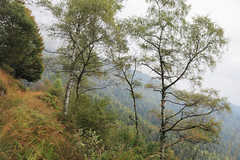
<point>20,42</point>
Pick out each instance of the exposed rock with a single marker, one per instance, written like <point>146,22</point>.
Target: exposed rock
<point>3,92</point>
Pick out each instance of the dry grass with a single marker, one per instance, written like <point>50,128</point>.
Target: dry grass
<point>5,77</point>
<point>13,86</point>
<point>28,125</point>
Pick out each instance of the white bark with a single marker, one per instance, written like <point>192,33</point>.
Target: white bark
<point>69,85</point>
<point>68,93</point>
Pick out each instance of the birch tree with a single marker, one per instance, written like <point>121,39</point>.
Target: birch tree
<point>126,69</point>
<point>87,29</point>
<point>176,49</point>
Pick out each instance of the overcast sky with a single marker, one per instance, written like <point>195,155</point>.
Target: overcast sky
<point>226,13</point>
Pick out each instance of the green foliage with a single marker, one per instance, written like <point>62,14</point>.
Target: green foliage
<point>85,27</point>
<point>25,134</point>
<point>128,146</point>
<point>47,83</point>
<point>42,149</point>
<point>56,89</point>
<point>137,95</point>
<point>92,114</point>
<point>21,86</point>
<point>29,127</point>
<point>205,99</point>
<point>20,42</point>
<point>177,49</point>
<point>50,99</point>
<point>165,33</point>
<point>88,143</point>
<point>57,83</point>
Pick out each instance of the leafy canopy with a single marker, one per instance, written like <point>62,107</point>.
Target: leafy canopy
<point>184,48</point>
<point>20,42</point>
<point>176,49</point>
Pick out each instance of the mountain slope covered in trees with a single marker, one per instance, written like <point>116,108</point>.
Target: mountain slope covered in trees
<point>228,142</point>
<point>88,116</point>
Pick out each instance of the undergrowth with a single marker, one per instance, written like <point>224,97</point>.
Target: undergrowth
<point>50,99</point>
<point>3,88</point>
<point>29,125</point>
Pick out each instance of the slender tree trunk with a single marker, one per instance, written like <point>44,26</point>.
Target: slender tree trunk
<point>68,93</point>
<point>79,79</point>
<point>131,90</point>
<point>69,85</point>
<point>136,116</point>
<point>162,129</point>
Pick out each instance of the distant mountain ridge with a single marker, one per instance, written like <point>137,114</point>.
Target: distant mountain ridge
<point>230,133</point>
<point>235,109</point>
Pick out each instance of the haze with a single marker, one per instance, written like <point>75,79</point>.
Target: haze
<point>226,76</point>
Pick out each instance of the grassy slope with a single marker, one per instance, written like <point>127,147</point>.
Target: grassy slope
<point>29,126</point>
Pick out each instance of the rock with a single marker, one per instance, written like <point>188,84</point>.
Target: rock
<point>3,92</point>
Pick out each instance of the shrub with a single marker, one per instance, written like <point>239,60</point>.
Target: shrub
<point>50,99</point>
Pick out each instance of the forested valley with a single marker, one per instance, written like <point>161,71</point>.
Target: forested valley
<point>107,87</point>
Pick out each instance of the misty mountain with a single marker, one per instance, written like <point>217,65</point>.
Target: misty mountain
<point>230,134</point>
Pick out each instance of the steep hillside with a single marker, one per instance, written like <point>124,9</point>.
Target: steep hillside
<point>29,125</point>
<point>228,146</point>
<point>9,86</point>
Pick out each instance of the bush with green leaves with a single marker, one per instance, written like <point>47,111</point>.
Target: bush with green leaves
<point>88,143</point>
<point>56,89</point>
<point>90,113</point>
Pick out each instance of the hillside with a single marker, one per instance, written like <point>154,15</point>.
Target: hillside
<point>121,103</point>
<point>29,125</point>
<point>229,139</point>
<point>32,126</point>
